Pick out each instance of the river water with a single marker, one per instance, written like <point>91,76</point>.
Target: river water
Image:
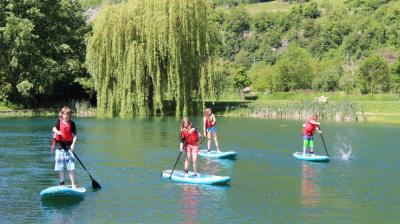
<point>359,185</point>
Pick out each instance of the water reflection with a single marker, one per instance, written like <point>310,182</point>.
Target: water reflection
<point>309,189</point>
<point>215,166</point>
<point>190,201</point>
<point>197,199</point>
<point>60,210</point>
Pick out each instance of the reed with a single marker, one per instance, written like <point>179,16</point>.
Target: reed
<point>337,111</point>
<point>83,109</point>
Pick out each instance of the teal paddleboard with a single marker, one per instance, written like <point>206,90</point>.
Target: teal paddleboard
<point>311,158</point>
<point>63,192</point>
<point>180,176</point>
<point>218,155</point>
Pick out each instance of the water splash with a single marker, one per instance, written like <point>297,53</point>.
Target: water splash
<point>343,149</point>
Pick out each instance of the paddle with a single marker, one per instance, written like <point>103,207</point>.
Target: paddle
<point>323,141</point>
<point>180,153</point>
<point>205,136</point>
<point>95,184</point>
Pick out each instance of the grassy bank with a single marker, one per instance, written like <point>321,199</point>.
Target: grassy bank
<point>80,109</point>
<point>382,108</point>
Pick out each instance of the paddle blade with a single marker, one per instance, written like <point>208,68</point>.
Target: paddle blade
<point>95,185</point>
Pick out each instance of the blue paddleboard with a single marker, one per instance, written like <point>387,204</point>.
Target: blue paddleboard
<point>179,176</point>
<point>218,155</point>
<point>63,192</point>
<point>311,158</point>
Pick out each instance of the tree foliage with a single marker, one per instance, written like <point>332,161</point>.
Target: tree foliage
<point>294,69</point>
<point>241,80</point>
<point>143,54</point>
<point>41,43</point>
<point>373,75</point>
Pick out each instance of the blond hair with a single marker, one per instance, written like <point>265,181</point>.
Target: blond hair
<point>185,119</point>
<point>66,110</point>
<point>208,113</point>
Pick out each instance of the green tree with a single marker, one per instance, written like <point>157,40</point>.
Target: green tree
<point>309,10</point>
<point>241,80</point>
<point>144,54</point>
<point>42,43</point>
<point>262,77</point>
<point>237,22</point>
<point>328,75</point>
<point>395,78</point>
<point>223,80</point>
<point>294,69</point>
<point>373,75</point>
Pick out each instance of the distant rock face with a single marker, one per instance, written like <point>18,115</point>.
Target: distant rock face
<point>321,99</point>
<point>91,13</point>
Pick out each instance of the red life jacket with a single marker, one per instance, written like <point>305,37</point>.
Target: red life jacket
<point>309,129</point>
<point>66,130</point>
<point>192,138</point>
<point>66,134</point>
<point>209,122</point>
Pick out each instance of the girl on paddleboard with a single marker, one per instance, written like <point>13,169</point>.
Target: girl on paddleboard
<point>65,135</point>
<point>308,132</point>
<point>190,142</point>
<point>210,129</point>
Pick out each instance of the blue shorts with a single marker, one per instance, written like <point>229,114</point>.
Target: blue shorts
<point>213,129</point>
<point>308,138</point>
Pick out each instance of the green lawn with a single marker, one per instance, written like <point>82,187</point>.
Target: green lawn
<point>279,6</point>
<point>384,108</point>
<point>274,6</point>
<point>380,107</point>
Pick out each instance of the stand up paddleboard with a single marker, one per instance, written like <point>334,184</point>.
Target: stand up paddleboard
<point>180,176</point>
<point>63,192</point>
<point>218,155</point>
<point>311,158</point>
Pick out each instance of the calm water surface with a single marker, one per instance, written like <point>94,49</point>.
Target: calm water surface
<point>268,184</point>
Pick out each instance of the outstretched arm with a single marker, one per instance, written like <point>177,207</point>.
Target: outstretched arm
<point>55,130</point>
<point>314,122</point>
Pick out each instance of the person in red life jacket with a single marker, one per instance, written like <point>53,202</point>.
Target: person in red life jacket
<point>309,129</point>
<point>190,142</point>
<point>65,136</point>
<point>210,129</point>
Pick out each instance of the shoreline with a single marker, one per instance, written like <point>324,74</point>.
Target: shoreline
<point>40,113</point>
<point>361,117</point>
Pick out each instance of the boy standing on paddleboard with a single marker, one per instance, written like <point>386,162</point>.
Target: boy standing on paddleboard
<point>308,132</point>
<point>210,129</point>
<point>65,136</point>
<point>190,141</point>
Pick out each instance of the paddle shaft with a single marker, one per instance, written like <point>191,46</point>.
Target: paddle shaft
<point>205,136</point>
<point>95,184</point>
<point>323,141</point>
<point>180,153</point>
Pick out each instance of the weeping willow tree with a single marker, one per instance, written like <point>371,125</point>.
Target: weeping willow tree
<point>144,55</point>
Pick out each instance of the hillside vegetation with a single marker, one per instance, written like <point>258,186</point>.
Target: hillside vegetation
<point>262,49</point>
